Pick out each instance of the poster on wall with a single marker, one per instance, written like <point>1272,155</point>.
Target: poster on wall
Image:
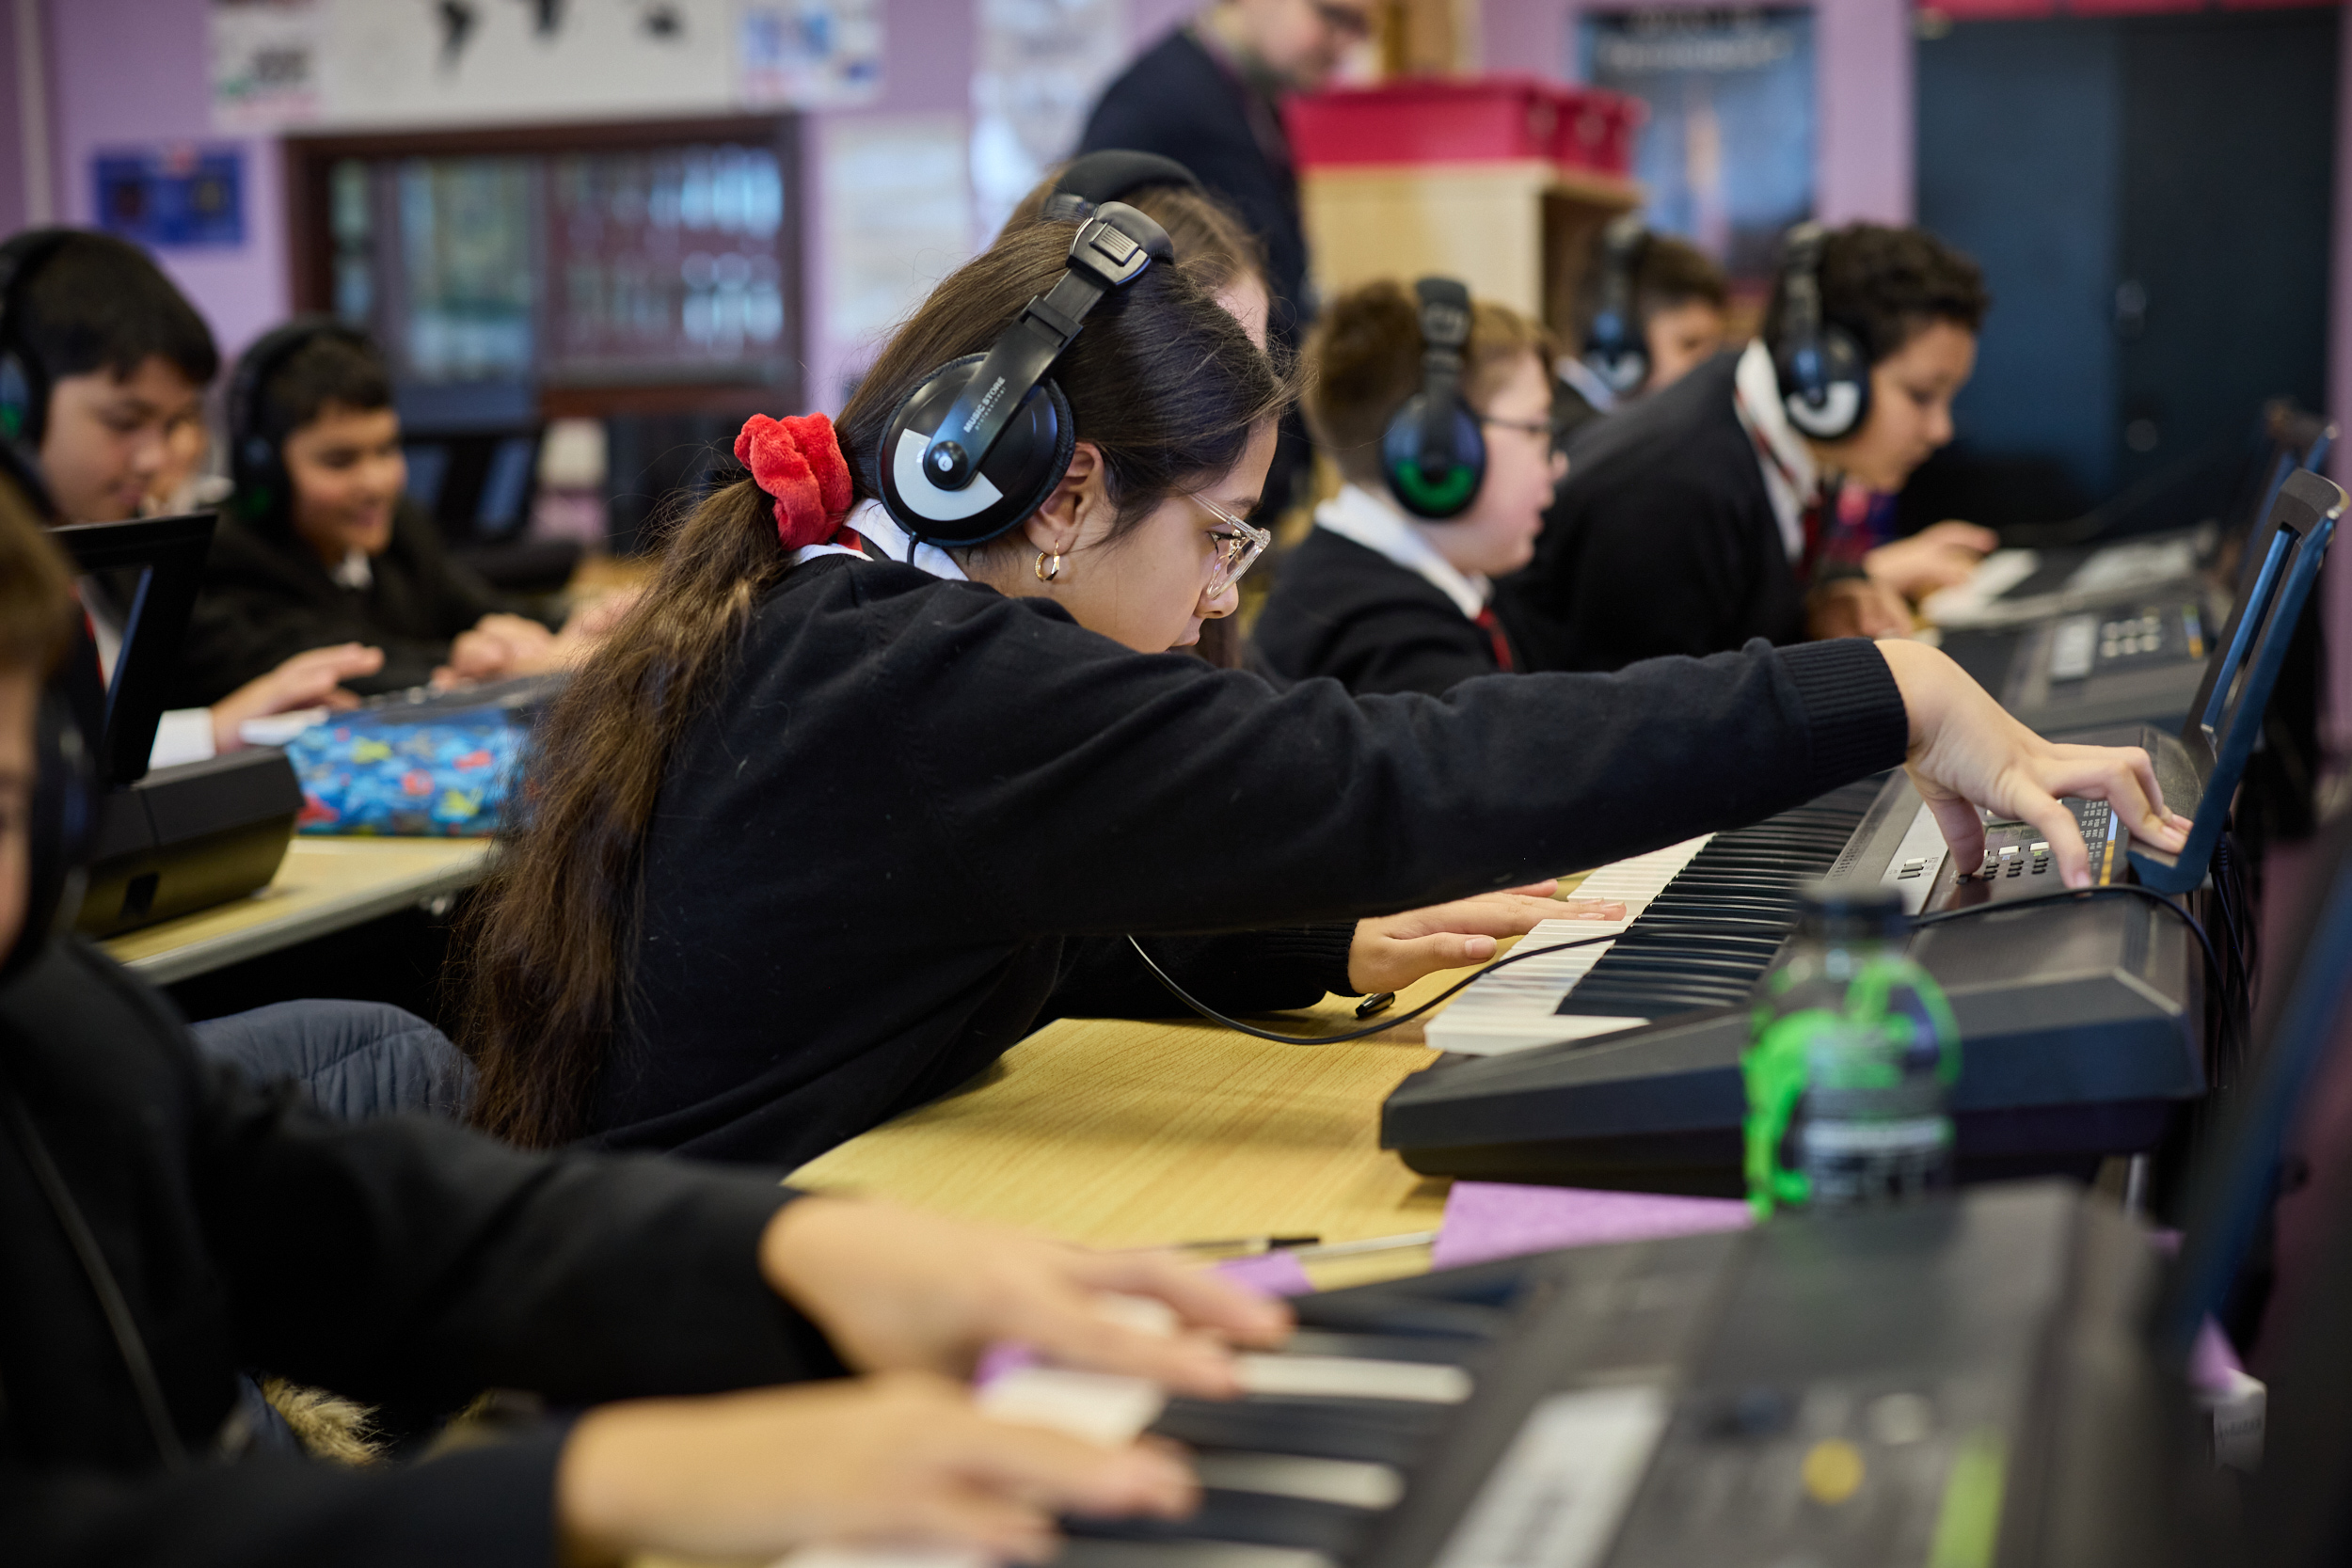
<point>1727,155</point>
<point>266,62</point>
<point>1038,68</point>
<point>173,196</point>
<point>357,63</point>
<point>897,218</point>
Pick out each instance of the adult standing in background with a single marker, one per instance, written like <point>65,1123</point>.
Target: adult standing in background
<point>1209,95</point>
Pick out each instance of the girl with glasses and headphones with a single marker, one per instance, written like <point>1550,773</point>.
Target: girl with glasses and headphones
<point>890,759</point>
<point>1390,591</point>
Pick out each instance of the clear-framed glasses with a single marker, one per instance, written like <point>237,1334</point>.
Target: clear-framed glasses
<point>1238,546</point>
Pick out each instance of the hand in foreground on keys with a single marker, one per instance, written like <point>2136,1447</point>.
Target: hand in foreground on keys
<point>894,1289</point>
<point>1393,951</point>
<point>1966,752</point>
<point>899,1458</point>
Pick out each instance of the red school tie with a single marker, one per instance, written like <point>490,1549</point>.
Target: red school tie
<point>1487,622</point>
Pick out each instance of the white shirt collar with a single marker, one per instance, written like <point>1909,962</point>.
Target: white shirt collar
<point>877,527</point>
<point>1792,480</point>
<point>1370,520</point>
<point>1587,382</point>
<point>355,572</point>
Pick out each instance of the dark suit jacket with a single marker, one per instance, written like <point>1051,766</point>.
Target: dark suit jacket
<point>267,599</point>
<point>1663,540</point>
<point>1180,102</point>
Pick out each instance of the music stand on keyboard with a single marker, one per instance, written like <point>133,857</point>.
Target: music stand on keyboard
<point>167,553</point>
<point>2205,761</point>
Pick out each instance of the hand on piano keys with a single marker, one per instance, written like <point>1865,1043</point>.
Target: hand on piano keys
<point>896,1289</point>
<point>1393,951</point>
<point>1965,752</point>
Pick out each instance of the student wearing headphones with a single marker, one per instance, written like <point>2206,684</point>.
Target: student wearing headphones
<point>1652,308</point>
<point>890,759</point>
<point>1438,411</point>
<point>163,1223</point>
<point>320,543</point>
<point>1699,518</point>
<point>103,369</point>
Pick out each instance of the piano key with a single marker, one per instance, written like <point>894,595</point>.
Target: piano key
<point>1352,1483</point>
<point>1245,1518</point>
<point>1372,1431</point>
<point>1098,1406</point>
<point>1378,1347</point>
<point>1706,918</point>
<point>1350,1377</point>
<point>1185,1554</point>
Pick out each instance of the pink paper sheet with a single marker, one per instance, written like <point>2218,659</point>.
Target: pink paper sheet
<point>1486,1220</point>
<point>1269,1273</point>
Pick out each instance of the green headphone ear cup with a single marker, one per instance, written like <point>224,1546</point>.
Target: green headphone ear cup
<point>1446,496</point>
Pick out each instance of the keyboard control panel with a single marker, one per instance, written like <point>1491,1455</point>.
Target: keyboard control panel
<point>2114,642</point>
<point>2019,862</point>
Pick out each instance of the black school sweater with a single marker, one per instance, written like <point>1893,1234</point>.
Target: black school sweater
<point>265,600</point>
<point>872,857</point>
<point>1663,540</point>
<point>1338,608</point>
<point>398,1260</point>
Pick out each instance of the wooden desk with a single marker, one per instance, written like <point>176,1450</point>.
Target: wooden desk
<point>326,885</point>
<point>1124,1134</point>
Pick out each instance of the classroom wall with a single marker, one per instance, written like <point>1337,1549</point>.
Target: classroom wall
<point>11,150</point>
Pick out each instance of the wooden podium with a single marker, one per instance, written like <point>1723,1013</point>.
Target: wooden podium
<point>1501,181</point>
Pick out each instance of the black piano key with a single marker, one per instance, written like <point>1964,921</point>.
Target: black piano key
<point>1248,1518</point>
<point>1413,1317</point>
<point>1382,1346</point>
<point>1715,930</point>
<point>1382,1432</point>
<point>1185,1554</point>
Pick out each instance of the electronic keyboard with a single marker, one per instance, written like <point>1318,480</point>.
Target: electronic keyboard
<point>2082,1021</point>
<point>1857,1389</point>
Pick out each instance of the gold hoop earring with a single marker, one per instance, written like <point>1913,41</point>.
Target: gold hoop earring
<point>1048,567</point>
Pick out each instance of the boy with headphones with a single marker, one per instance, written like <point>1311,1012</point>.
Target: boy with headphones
<point>102,367</point>
<point>1698,519</point>
<point>163,1223</point>
<point>1653,308</point>
<point>1438,411</point>
<point>320,543</point>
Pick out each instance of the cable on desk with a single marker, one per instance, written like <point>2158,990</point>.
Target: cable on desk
<point>1383,1026</point>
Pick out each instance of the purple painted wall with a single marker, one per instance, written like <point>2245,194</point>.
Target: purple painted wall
<point>12,142</point>
<point>1863,68</point>
<point>132,72</point>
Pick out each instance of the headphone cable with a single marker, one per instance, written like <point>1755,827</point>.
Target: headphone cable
<point>1943,917</point>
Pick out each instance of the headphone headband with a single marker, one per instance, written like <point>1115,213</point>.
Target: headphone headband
<point>1432,453</point>
<point>257,468</point>
<point>24,381</point>
<point>1824,376</point>
<point>1112,174</point>
<point>1004,439</point>
<point>1614,345</point>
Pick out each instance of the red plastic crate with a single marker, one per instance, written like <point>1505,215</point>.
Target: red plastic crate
<point>1492,117</point>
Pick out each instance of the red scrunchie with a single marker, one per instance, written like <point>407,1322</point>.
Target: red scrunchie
<point>799,462</point>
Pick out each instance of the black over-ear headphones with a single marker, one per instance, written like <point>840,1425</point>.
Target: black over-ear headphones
<point>256,461</point>
<point>1615,347</point>
<point>1433,453</point>
<point>1824,375</point>
<point>1091,179</point>
<point>982,440</point>
<point>24,380</point>
<point>64,818</point>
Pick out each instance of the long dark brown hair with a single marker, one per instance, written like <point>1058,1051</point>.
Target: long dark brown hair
<point>1163,381</point>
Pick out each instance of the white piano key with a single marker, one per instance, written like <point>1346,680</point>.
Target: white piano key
<point>1186,1553</point>
<point>1351,1483</point>
<point>1354,1377</point>
<point>1515,1009</point>
<point>1098,1406</point>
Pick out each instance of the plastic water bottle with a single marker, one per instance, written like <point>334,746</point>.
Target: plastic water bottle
<point>1850,1064</point>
